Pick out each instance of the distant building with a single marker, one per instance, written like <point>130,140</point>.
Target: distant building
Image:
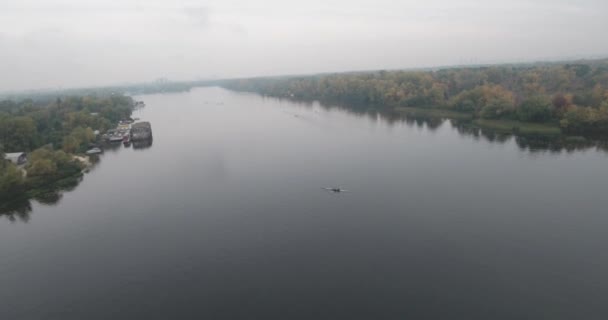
<point>17,158</point>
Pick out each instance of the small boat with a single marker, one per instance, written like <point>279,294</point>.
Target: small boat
<point>113,135</point>
<point>115,138</point>
<point>335,189</point>
<point>94,151</point>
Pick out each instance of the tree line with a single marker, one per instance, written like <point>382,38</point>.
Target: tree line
<point>571,95</point>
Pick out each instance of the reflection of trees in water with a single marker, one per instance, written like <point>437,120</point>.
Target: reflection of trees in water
<point>532,143</point>
<point>492,136</point>
<point>17,210</point>
<point>421,122</point>
<point>94,159</point>
<point>112,146</point>
<point>142,144</point>
<point>559,143</point>
<point>391,118</point>
<point>51,195</point>
<point>538,142</point>
<point>136,144</point>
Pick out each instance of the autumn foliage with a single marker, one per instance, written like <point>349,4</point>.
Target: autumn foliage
<point>573,95</point>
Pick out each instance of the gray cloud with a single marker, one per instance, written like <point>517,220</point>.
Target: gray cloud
<point>65,43</point>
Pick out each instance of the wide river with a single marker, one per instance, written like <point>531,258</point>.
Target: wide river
<point>224,216</point>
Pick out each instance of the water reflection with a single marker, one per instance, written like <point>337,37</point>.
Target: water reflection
<point>112,146</point>
<point>535,142</point>
<point>528,142</point>
<point>20,209</point>
<point>17,210</point>
<point>430,123</point>
<point>142,144</point>
<point>117,146</point>
<point>214,210</point>
<point>560,143</point>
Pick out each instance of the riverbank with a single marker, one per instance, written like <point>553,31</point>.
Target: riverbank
<point>501,126</point>
<point>51,135</point>
<point>570,95</point>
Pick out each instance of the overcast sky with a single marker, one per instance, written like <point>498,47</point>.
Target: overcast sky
<point>73,43</point>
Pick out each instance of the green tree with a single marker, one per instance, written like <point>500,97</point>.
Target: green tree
<point>535,109</point>
<point>17,133</point>
<point>42,167</point>
<point>11,179</point>
<point>486,101</point>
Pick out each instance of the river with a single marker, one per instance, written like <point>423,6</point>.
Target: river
<point>224,216</point>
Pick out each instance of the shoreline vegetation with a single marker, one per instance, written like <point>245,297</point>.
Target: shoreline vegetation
<point>54,133</point>
<point>552,98</point>
<point>532,98</point>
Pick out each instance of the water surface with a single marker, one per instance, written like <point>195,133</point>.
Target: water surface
<point>224,217</point>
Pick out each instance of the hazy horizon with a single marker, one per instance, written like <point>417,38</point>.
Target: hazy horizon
<point>67,43</point>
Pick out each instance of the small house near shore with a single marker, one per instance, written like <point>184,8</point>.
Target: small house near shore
<point>17,158</point>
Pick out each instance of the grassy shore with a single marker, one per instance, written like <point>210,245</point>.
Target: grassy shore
<point>510,126</point>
